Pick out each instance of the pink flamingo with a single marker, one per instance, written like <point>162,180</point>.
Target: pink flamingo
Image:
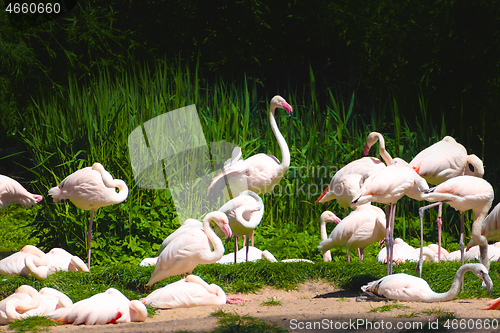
<point>189,292</point>
<point>327,217</point>
<point>404,287</point>
<point>261,172</point>
<point>387,186</point>
<point>12,192</point>
<point>346,182</point>
<point>403,252</point>
<point>441,161</point>
<point>24,262</point>
<point>491,224</point>
<point>14,306</point>
<point>50,300</point>
<point>465,193</point>
<point>109,307</point>
<point>244,213</point>
<point>58,260</point>
<point>192,247</point>
<point>90,188</point>
<point>363,226</point>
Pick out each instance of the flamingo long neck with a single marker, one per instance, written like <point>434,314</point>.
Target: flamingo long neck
<point>327,256</point>
<point>383,153</point>
<point>454,289</point>
<point>20,305</point>
<point>477,238</point>
<point>218,247</point>
<point>285,152</point>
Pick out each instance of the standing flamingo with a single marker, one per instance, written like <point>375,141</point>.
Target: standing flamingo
<point>404,287</point>
<point>441,161</point>
<point>465,193</point>
<point>191,248</point>
<point>327,217</point>
<point>363,226</point>
<point>12,192</point>
<point>261,172</point>
<point>387,186</point>
<point>346,182</point>
<point>244,213</point>
<point>90,188</point>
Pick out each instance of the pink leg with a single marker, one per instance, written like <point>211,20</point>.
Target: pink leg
<point>236,248</point>
<point>421,211</point>
<point>253,232</point>
<point>361,253</point>
<point>348,257</point>
<point>391,244</point>
<point>439,223</point>
<point>89,236</point>
<point>235,300</point>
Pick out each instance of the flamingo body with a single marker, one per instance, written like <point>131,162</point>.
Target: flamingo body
<point>186,293</point>
<point>444,160</point>
<point>259,173</point>
<point>191,248</point>
<point>404,252</point>
<point>363,226</point>
<point>404,287</point>
<point>11,192</point>
<point>14,306</point>
<point>109,307</point>
<point>327,217</point>
<point>23,262</point>
<point>254,254</point>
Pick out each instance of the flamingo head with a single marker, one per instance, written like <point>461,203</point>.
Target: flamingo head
<point>371,139</point>
<point>279,102</point>
<point>482,272</point>
<point>222,221</point>
<point>327,216</point>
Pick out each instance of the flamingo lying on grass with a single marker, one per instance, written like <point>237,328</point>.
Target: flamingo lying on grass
<point>404,287</point>
<point>403,252</point>
<point>90,188</point>
<point>58,260</point>
<point>12,307</point>
<point>189,292</point>
<point>109,307</point>
<point>192,247</point>
<point>362,227</point>
<point>11,192</point>
<point>50,300</point>
<point>24,262</point>
<point>261,172</point>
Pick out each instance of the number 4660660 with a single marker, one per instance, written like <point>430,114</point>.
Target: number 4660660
<point>33,8</point>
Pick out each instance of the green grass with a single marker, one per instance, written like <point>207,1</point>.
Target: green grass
<point>233,322</point>
<point>32,324</point>
<point>272,302</point>
<point>389,307</point>
<point>14,223</point>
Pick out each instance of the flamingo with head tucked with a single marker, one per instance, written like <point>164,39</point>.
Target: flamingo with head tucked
<point>24,262</point>
<point>90,188</point>
<point>261,172</point>
<point>14,306</point>
<point>11,192</point>
<point>192,247</point>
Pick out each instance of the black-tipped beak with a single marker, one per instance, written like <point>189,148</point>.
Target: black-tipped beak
<point>488,283</point>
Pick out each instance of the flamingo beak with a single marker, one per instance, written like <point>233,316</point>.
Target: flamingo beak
<point>366,150</point>
<point>227,232</point>
<point>488,282</point>
<point>288,108</point>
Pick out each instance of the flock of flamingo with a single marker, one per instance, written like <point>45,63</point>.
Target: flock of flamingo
<point>458,182</point>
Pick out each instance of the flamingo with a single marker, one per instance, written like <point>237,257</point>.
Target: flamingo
<point>12,192</point>
<point>109,307</point>
<point>444,160</point>
<point>404,287</point>
<point>50,300</point>
<point>363,226</point>
<point>244,213</point>
<point>387,186</point>
<point>465,193</point>
<point>493,304</point>
<point>491,224</point>
<point>327,217</point>
<point>90,188</point>
<point>473,253</point>
<point>14,306</point>
<point>440,252</point>
<point>346,182</point>
<point>58,260</point>
<point>403,252</point>
<point>261,172</point>
<point>191,248</point>
<point>186,293</point>
<point>24,262</point>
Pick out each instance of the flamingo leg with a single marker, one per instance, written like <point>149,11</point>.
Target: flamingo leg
<point>247,248</point>
<point>393,216</point>
<point>421,211</point>
<point>361,253</point>
<point>387,236</point>
<point>440,224</point>
<point>462,245</point>
<point>348,257</point>
<point>89,236</point>
<point>236,248</point>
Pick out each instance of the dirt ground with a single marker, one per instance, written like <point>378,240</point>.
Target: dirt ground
<point>314,307</point>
